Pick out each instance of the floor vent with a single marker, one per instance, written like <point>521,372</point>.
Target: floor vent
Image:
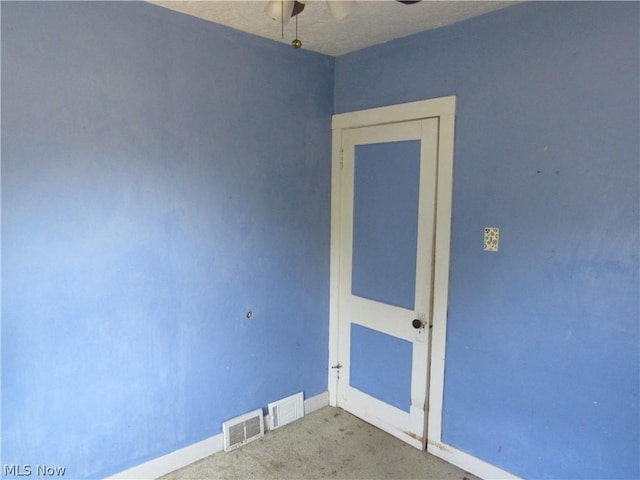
<point>286,410</point>
<point>242,429</point>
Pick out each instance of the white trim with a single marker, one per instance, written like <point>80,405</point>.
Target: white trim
<point>469,463</point>
<point>435,107</point>
<point>186,456</point>
<point>441,276</point>
<point>316,403</point>
<point>334,267</point>
<point>173,461</point>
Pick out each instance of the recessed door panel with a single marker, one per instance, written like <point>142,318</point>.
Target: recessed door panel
<point>381,366</point>
<point>385,222</point>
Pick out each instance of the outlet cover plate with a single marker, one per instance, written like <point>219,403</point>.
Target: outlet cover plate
<point>491,239</point>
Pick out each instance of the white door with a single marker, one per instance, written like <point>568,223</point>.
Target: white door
<point>386,274</point>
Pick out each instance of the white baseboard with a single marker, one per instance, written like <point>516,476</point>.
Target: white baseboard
<point>469,463</point>
<point>316,403</point>
<point>185,456</point>
<point>173,461</point>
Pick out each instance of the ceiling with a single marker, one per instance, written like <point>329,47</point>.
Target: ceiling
<point>371,23</point>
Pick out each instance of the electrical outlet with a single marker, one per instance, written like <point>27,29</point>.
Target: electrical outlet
<point>491,239</point>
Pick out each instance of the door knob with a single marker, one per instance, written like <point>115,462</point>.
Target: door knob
<point>417,323</point>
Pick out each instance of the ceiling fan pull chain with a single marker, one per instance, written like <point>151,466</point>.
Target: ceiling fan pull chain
<point>296,43</point>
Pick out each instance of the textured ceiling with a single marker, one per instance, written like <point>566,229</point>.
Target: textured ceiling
<point>372,22</point>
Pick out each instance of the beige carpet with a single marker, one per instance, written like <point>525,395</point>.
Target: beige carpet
<point>328,443</point>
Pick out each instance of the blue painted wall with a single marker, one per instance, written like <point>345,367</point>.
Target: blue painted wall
<point>161,176</point>
<point>543,368</point>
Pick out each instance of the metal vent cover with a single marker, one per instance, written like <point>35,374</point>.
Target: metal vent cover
<point>242,429</point>
<point>286,410</point>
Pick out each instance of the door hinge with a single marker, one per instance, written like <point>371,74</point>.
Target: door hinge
<point>342,158</point>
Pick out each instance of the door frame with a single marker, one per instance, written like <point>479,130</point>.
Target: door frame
<point>444,109</point>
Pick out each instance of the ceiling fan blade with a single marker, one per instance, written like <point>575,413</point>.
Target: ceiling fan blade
<point>408,2</point>
<point>297,8</point>
<point>280,10</point>
<point>341,8</point>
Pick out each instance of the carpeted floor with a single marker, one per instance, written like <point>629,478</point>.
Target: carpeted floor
<point>329,443</point>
